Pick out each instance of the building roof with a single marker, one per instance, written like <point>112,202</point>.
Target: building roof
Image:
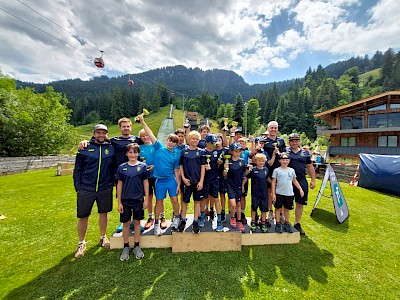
<point>355,103</point>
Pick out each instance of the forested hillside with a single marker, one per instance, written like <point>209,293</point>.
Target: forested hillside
<point>215,93</point>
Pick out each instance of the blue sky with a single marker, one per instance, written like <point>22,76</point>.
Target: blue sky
<point>263,41</point>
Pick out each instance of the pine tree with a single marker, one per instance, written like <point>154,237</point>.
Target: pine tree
<point>239,110</point>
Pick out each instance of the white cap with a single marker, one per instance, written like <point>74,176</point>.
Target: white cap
<point>100,127</point>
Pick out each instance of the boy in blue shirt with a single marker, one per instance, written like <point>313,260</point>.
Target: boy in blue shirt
<point>259,190</point>
<point>166,172</point>
<point>147,156</point>
<point>233,170</point>
<point>131,187</point>
<point>192,169</point>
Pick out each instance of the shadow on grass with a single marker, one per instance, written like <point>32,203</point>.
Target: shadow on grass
<point>329,220</point>
<point>165,275</point>
<point>298,264</point>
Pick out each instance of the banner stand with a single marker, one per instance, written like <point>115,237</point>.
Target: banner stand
<point>341,209</point>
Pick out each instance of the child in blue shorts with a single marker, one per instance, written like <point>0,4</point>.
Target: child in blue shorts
<point>233,170</point>
<point>166,172</point>
<point>131,187</point>
<point>211,184</point>
<point>192,169</point>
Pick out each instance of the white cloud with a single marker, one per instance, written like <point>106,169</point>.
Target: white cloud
<point>141,35</point>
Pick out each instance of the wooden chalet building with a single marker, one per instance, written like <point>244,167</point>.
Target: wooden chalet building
<point>370,125</point>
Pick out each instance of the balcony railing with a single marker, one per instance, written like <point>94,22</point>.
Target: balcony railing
<point>328,130</point>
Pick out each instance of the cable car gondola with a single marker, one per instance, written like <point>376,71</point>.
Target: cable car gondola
<point>130,82</point>
<point>98,61</point>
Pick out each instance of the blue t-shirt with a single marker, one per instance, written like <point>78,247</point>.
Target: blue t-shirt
<point>192,160</point>
<point>149,154</point>
<point>119,143</point>
<point>298,162</point>
<point>258,178</point>
<point>132,180</point>
<point>214,154</point>
<point>269,147</point>
<point>235,172</point>
<point>167,161</point>
<point>179,148</point>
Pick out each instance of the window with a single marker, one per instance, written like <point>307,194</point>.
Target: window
<point>394,105</point>
<point>348,141</point>
<point>387,141</point>
<point>356,122</point>
<point>380,107</point>
<point>384,120</point>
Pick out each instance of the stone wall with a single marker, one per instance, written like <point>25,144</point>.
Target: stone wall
<point>12,165</point>
<point>344,172</point>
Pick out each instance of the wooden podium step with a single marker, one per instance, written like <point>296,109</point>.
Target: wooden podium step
<point>208,239</point>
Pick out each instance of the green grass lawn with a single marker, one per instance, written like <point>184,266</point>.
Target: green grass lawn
<point>358,259</point>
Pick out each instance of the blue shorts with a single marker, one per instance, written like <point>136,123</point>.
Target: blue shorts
<point>163,185</point>
<point>234,192</point>
<point>259,202</point>
<point>192,189</point>
<point>210,188</point>
<point>222,184</point>
<point>304,185</point>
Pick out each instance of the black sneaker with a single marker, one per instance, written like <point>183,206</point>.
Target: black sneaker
<point>278,228</point>
<point>288,228</point>
<point>223,216</point>
<point>253,226</point>
<point>297,226</point>
<point>196,227</point>
<point>244,220</point>
<point>182,225</point>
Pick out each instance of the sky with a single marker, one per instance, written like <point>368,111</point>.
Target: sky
<point>263,41</point>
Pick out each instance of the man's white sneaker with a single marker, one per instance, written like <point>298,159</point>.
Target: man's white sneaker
<point>175,222</point>
<point>81,250</point>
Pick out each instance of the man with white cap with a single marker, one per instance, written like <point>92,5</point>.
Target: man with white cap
<point>272,142</point>
<point>94,181</point>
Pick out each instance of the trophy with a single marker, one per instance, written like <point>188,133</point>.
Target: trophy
<point>187,124</point>
<point>234,123</point>
<point>208,167</point>
<point>144,113</point>
<point>227,157</point>
<point>225,128</point>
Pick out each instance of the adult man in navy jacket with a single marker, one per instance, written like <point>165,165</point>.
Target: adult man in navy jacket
<point>94,181</point>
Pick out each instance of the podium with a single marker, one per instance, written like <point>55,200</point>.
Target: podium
<point>208,239</point>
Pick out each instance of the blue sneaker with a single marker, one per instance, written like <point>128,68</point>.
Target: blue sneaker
<point>201,221</point>
<point>119,228</point>
<point>219,228</point>
<point>132,227</point>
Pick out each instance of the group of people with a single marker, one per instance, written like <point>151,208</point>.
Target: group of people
<point>194,165</point>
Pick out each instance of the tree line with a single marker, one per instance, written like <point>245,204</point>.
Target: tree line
<point>291,103</point>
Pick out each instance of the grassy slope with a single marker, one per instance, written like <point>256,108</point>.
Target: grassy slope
<point>364,77</point>
<point>355,260</point>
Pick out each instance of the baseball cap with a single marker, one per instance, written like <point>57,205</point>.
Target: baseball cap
<point>211,138</point>
<point>294,136</point>
<point>100,127</point>
<point>239,129</point>
<point>235,146</point>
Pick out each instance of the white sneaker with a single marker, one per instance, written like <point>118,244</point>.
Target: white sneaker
<point>125,254</point>
<point>105,243</point>
<point>138,252</point>
<point>157,229</point>
<point>81,250</point>
<point>175,222</point>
